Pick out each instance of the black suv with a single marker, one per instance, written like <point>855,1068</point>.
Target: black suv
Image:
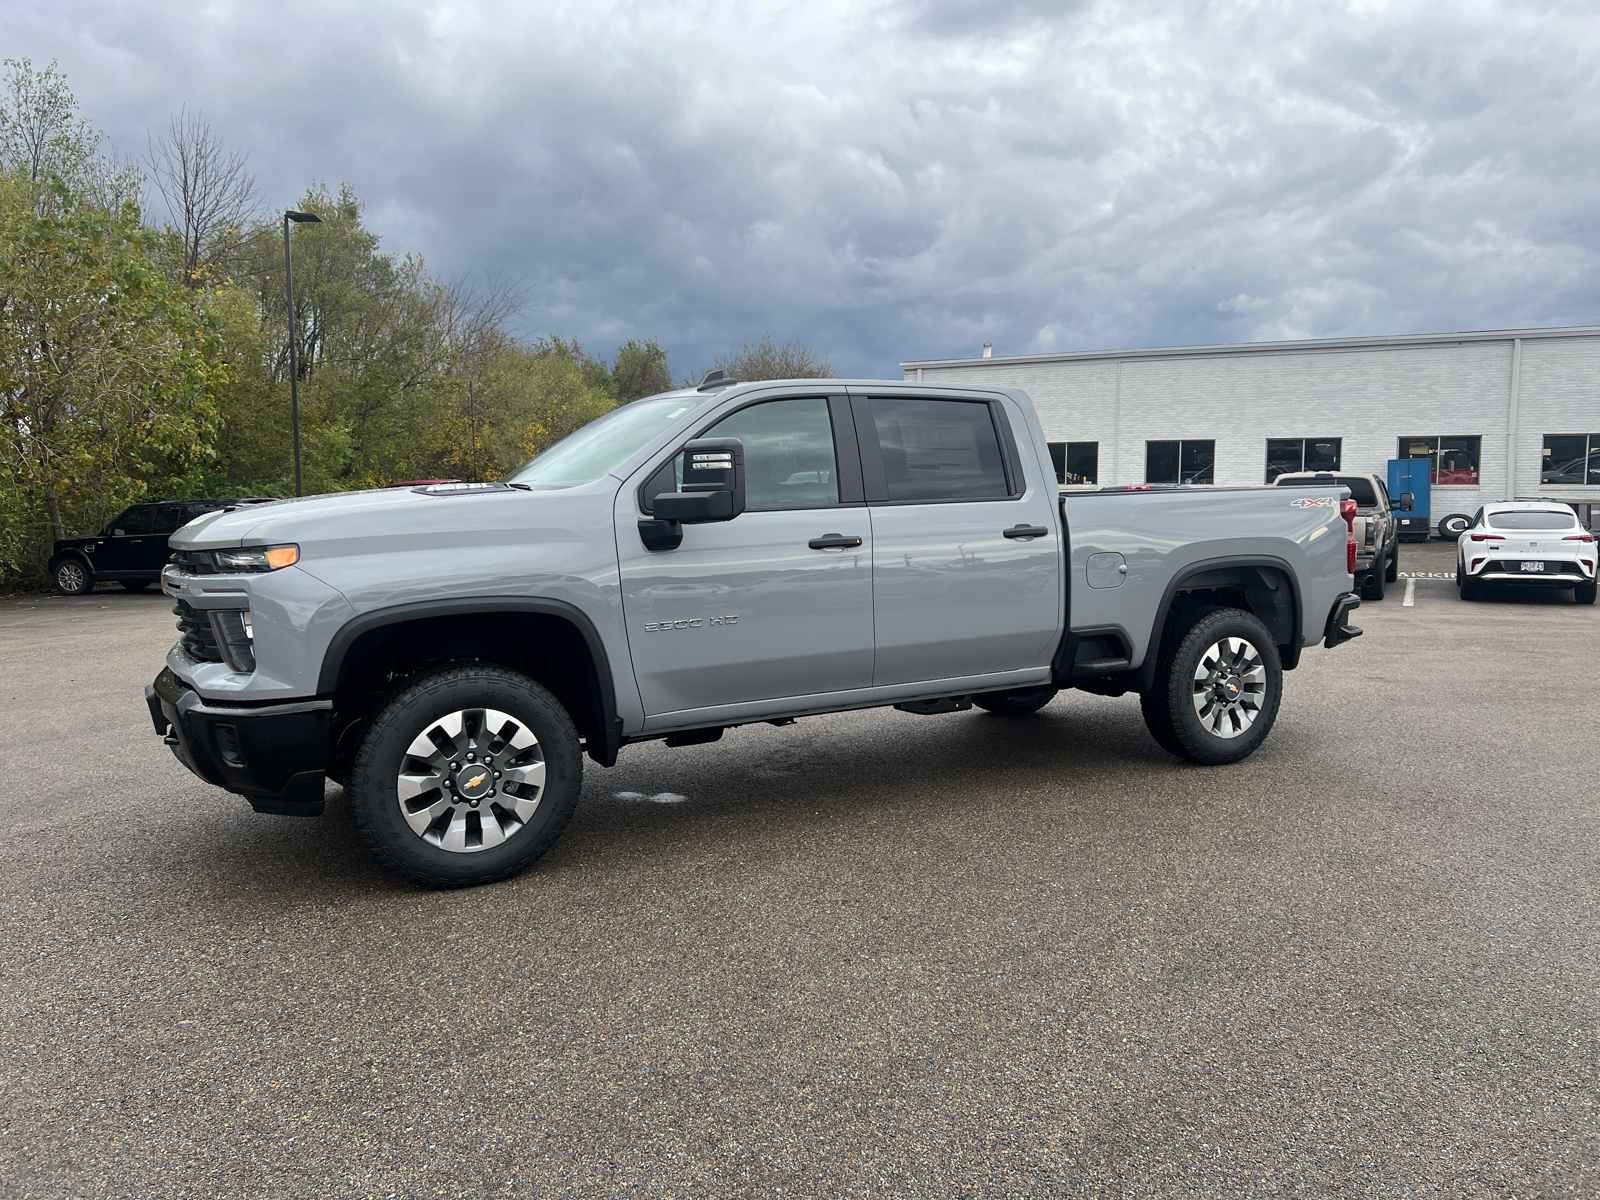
<point>130,550</point>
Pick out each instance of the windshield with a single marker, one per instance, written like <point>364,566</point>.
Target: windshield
<point>1525,519</point>
<point>602,446</point>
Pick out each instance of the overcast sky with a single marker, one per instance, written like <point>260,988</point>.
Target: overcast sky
<point>905,180</point>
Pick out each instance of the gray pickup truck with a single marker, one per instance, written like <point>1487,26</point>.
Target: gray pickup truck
<point>712,557</point>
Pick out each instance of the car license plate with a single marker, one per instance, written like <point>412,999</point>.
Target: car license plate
<point>1533,566</point>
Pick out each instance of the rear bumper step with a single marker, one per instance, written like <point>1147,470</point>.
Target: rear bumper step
<point>1338,630</point>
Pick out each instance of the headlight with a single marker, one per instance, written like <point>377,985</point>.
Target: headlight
<point>257,558</point>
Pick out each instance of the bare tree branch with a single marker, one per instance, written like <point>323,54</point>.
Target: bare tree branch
<point>210,195</point>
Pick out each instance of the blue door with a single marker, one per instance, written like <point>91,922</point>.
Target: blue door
<point>1414,475</point>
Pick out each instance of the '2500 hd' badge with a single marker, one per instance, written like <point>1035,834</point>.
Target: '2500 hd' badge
<point>1314,502</point>
<point>690,623</point>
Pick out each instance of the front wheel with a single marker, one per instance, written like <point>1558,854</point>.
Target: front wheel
<point>72,578</point>
<point>467,775</point>
<point>1016,703</point>
<point>1217,687</point>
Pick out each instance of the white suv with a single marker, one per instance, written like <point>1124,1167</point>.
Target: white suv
<point>1526,542</point>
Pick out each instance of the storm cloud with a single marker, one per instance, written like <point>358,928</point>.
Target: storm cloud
<point>906,180</point>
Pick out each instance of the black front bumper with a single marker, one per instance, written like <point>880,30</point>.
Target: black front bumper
<point>1338,631</point>
<point>275,755</point>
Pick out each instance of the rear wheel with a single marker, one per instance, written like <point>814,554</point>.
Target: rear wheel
<point>1453,526</point>
<point>1469,587</point>
<point>465,776</point>
<point>1017,703</point>
<point>1217,687</point>
<point>72,578</point>
<point>1584,593</point>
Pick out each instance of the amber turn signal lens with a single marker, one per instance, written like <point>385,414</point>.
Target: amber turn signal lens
<point>283,556</point>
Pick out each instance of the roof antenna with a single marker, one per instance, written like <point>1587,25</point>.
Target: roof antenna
<point>716,380</point>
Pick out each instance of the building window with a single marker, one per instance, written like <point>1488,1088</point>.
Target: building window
<point>1286,456</point>
<point>1179,462</point>
<point>1076,462</point>
<point>1455,459</point>
<point>1570,458</point>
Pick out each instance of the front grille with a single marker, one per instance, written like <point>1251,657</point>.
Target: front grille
<point>194,562</point>
<point>198,639</point>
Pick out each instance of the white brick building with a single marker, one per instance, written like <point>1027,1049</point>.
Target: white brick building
<point>1505,413</point>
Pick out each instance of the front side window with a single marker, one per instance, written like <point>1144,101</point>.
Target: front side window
<point>1179,462</point>
<point>789,460</point>
<point>1536,521</point>
<point>1571,458</point>
<point>1287,456</point>
<point>133,522</point>
<point>939,450</point>
<point>1454,459</point>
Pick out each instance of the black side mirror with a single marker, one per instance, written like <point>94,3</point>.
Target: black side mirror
<point>713,490</point>
<point>1408,501</point>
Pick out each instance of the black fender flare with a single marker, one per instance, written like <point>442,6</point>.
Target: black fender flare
<point>1147,669</point>
<point>339,646</point>
<point>57,559</point>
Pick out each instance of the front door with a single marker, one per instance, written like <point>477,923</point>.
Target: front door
<point>123,552</point>
<point>966,549</point>
<point>772,604</point>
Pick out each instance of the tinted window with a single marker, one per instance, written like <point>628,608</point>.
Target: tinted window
<point>939,450</point>
<point>1083,462</point>
<point>1360,490</point>
<point>169,517</point>
<point>1532,520</point>
<point>134,521</point>
<point>788,453</point>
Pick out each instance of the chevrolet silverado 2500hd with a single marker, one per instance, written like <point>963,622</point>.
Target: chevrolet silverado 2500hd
<point>713,557</point>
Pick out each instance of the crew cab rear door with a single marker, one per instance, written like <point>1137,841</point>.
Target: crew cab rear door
<point>966,548</point>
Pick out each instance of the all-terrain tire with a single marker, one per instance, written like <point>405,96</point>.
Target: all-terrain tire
<point>1201,655</point>
<point>1018,703</point>
<point>425,706</point>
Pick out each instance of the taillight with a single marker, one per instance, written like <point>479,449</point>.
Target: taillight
<point>1578,537</point>
<point>1488,537</point>
<point>1347,510</point>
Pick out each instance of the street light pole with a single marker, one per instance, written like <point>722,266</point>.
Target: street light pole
<point>294,358</point>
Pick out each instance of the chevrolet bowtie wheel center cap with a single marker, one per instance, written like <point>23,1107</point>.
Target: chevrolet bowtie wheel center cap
<point>1230,685</point>
<point>470,780</point>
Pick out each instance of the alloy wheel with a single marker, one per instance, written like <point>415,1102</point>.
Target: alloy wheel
<point>471,780</point>
<point>1229,687</point>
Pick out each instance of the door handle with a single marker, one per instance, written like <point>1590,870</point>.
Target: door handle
<point>834,541</point>
<point>1026,531</point>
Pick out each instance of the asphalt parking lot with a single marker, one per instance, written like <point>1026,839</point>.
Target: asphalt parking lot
<point>868,954</point>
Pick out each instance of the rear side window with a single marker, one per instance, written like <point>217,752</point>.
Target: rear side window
<point>169,517</point>
<point>1532,520</point>
<point>939,450</point>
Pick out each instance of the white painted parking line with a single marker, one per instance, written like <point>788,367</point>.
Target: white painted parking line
<point>1411,594</point>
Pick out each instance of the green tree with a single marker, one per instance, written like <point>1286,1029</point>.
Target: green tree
<point>640,369</point>
<point>107,378</point>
